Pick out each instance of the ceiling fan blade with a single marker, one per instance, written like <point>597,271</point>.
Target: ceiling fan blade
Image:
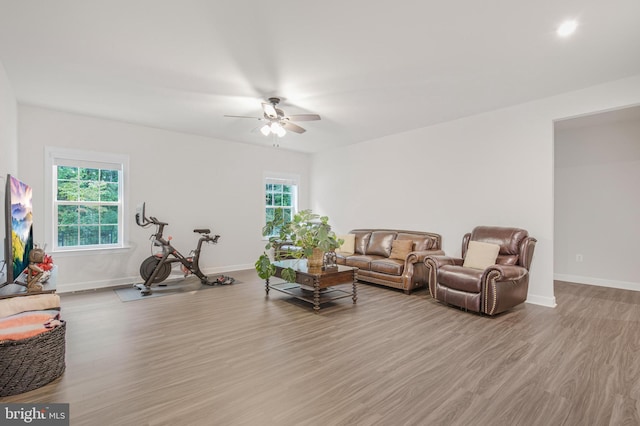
<point>243,116</point>
<point>269,110</point>
<point>304,117</point>
<point>293,127</point>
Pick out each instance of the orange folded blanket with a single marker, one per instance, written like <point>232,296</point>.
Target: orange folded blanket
<point>36,302</point>
<point>28,324</point>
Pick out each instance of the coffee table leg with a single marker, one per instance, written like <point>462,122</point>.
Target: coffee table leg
<point>316,296</point>
<point>355,292</point>
<point>266,286</point>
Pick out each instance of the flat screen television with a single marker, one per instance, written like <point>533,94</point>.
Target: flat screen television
<point>18,227</point>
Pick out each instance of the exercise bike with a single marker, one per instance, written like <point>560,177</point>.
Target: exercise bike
<point>157,267</point>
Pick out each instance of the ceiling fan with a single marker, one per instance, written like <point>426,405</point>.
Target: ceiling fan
<point>276,121</point>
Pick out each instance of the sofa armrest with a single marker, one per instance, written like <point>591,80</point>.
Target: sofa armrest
<point>503,286</point>
<point>432,263</point>
<point>415,273</point>
<point>439,261</point>
<point>285,250</point>
<point>506,272</point>
<point>419,256</point>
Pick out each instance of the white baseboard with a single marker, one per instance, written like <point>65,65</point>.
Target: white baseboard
<point>116,282</point>
<point>549,302</point>
<point>623,285</point>
<point>229,268</point>
<point>94,285</point>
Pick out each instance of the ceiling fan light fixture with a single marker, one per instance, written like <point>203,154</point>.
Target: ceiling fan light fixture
<point>278,129</point>
<point>276,121</point>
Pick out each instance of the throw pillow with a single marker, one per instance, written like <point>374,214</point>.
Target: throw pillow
<point>400,249</point>
<point>481,255</point>
<point>349,245</point>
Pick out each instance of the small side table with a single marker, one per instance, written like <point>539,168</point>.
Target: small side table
<point>13,289</point>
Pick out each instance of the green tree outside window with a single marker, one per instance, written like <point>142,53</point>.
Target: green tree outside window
<point>87,206</point>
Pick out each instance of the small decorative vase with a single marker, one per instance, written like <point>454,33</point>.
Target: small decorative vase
<point>316,259</point>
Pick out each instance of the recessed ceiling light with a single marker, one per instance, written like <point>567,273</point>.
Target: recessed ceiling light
<point>567,28</point>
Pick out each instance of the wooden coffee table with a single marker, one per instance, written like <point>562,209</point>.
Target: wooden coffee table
<point>315,285</point>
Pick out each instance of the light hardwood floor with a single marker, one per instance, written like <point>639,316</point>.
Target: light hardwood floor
<point>229,356</point>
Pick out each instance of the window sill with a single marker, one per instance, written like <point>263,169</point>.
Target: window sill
<point>90,251</point>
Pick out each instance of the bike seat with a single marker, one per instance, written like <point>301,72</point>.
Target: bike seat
<point>202,231</point>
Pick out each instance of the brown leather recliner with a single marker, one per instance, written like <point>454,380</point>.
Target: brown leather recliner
<point>491,291</point>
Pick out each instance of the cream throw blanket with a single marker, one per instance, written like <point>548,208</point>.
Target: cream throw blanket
<point>37,302</point>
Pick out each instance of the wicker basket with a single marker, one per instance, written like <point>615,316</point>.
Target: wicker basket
<point>32,363</point>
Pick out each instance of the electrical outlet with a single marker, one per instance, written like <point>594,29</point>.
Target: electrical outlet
<point>578,258</point>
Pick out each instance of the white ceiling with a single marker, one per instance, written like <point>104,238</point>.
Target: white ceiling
<point>369,68</point>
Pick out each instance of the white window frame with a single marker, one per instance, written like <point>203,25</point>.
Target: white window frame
<point>61,156</point>
<point>283,179</point>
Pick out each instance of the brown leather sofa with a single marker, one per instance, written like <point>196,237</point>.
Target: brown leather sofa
<point>490,291</point>
<point>371,256</point>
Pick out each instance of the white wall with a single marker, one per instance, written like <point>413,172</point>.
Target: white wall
<point>8,145</point>
<point>188,181</point>
<point>597,203</point>
<point>490,169</point>
<point>8,127</point>
<point>494,168</point>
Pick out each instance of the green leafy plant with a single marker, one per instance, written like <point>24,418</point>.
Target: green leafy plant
<point>306,230</point>
<point>264,267</point>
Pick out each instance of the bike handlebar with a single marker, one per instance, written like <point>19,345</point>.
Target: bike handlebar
<point>141,221</point>
<point>145,221</point>
<point>156,221</point>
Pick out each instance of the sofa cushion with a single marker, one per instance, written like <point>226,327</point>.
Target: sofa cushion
<point>420,242</point>
<point>400,249</point>
<point>380,243</point>
<point>361,261</point>
<point>481,255</point>
<point>460,278</point>
<point>388,266</point>
<point>362,240</point>
<point>349,244</point>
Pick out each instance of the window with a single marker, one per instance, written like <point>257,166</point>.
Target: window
<point>87,201</point>
<point>280,193</point>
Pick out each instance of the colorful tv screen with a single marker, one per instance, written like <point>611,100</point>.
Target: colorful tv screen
<point>19,218</point>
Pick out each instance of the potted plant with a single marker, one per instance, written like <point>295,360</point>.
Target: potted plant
<point>307,230</point>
